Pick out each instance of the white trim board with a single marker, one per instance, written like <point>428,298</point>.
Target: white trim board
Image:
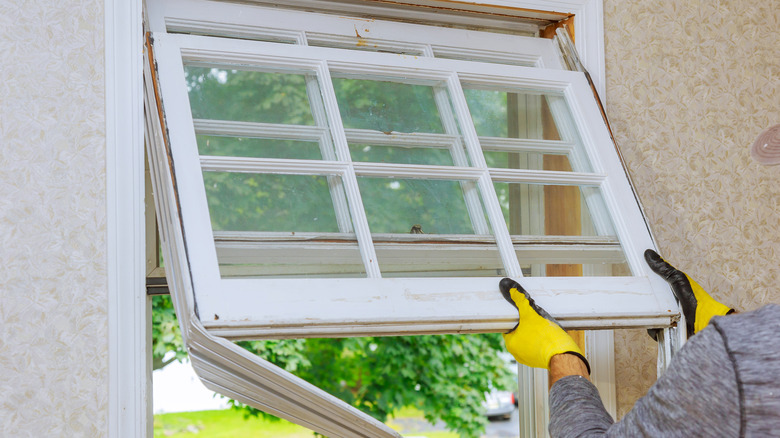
<point>129,344</point>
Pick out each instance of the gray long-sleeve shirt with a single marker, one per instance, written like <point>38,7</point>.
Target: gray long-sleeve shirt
<point>724,382</point>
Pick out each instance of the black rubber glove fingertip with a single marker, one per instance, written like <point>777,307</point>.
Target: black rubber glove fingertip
<point>652,258</point>
<point>662,267</point>
<point>506,285</point>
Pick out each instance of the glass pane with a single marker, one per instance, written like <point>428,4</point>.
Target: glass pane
<point>399,155</point>
<point>515,160</point>
<point>553,210</point>
<point>339,257</point>
<point>395,111</point>
<point>429,228</point>
<point>387,106</point>
<point>584,242</point>
<point>281,226</point>
<point>265,202</point>
<point>258,147</point>
<point>397,205</point>
<point>508,59</point>
<point>506,114</point>
<point>248,96</point>
<point>522,115</point>
<point>364,45</point>
<point>615,266</point>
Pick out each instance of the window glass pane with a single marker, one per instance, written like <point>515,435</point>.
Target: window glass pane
<point>281,226</point>
<point>582,240</point>
<point>367,45</point>
<point>437,206</point>
<point>258,147</point>
<point>265,202</point>
<point>602,266</point>
<point>498,113</point>
<point>429,228</point>
<point>407,155</point>
<point>249,96</point>
<point>515,160</point>
<point>503,58</point>
<point>387,106</point>
<point>258,114</point>
<point>518,127</point>
<point>553,210</point>
<point>395,122</point>
<point>334,256</point>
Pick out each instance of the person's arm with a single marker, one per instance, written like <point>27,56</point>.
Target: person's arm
<point>696,396</point>
<point>564,365</point>
<point>679,404</point>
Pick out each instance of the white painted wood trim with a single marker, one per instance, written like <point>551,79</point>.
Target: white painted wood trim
<point>359,218</point>
<point>456,304</point>
<point>600,351</point>
<point>259,130</point>
<point>129,344</point>
<point>589,30</point>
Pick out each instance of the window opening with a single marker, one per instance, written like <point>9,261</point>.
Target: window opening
<point>540,195</point>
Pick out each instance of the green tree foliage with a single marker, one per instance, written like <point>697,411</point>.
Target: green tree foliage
<point>444,376</point>
<point>167,345</point>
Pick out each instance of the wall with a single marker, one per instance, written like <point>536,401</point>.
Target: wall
<point>690,84</point>
<point>53,283</point>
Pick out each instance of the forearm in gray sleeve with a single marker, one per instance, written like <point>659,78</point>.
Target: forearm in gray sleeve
<point>696,396</point>
<point>576,409</point>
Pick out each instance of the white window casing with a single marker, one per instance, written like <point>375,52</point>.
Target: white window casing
<point>214,309</point>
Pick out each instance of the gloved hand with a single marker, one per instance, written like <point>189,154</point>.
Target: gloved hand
<point>537,337</point>
<point>697,305</point>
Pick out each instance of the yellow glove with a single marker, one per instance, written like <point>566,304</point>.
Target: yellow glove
<point>537,337</point>
<point>698,306</point>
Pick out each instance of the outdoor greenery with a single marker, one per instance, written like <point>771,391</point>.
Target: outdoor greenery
<point>444,376</point>
<point>231,424</point>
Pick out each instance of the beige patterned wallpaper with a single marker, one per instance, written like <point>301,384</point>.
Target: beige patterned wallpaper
<point>690,85</point>
<point>53,341</point>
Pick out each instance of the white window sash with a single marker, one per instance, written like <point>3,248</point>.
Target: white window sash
<point>400,305</point>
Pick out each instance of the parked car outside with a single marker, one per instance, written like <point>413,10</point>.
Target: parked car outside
<point>500,405</point>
